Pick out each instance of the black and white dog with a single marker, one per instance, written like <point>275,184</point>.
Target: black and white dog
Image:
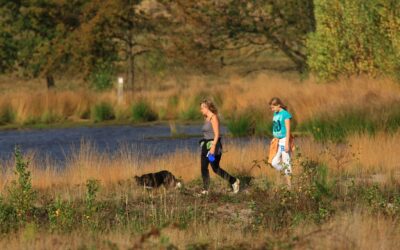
<point>155,180</point>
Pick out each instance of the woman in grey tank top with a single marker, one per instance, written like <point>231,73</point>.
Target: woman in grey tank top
<point>211,147</point>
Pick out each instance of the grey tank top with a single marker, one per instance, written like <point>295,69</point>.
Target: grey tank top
<point>208,132</point>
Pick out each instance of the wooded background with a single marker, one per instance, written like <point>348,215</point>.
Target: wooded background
<point>97,40</point>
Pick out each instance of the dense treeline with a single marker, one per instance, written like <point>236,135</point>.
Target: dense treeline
<point>97,39</point>
<point>355,37</point>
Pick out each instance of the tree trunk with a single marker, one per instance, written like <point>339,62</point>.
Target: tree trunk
<point>50,82</point>
<point>131,56</point>
<point>130,69</point>
<point>296,56</point>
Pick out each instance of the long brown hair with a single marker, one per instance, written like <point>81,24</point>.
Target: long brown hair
<point>276,101</point>
<point>210,105</point>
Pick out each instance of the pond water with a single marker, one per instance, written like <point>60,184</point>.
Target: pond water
<point>58,144</point>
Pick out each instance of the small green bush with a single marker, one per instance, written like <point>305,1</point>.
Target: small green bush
<point>392,123</point>
<point>337,128</point>
<point>364,39</point>
<point>31,120</point>
<point>8,217</point>
<point>7,115</point>
<point>50,117</point>
<point>21,193</point>
<point>91,206</point>
<point>142,112</point>
<point>263,128</point>
<point>252,121</point>
<point>84,114</point>
<point>102,112</point>
<point>191,114</point>
<point>102,77</point>
<point>240,125</point>
<point>61,216</point>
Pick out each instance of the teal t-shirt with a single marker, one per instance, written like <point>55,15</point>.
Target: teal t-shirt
<point>278,123</point>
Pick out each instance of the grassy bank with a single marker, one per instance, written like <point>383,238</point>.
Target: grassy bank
<point>340,125</point>
<point>357,229</point>
<point>360,155</point>
<point>327,111</point>
<point>344,196</point>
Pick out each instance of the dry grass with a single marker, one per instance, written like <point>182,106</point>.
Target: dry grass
<point>306,99</point>
<point>216,234</point>
<point>354,230</point>
<point>357,229</point>
<point>65,104</point>
<point>236,94</point>
<point>361,154</point>
<point>368,155</point>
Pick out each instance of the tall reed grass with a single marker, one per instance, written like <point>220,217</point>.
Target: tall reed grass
<point>359,104</point>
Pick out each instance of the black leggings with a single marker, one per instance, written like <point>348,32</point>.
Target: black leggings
<point>215,166</point>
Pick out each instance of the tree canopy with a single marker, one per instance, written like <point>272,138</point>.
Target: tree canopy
<point>42,38</point>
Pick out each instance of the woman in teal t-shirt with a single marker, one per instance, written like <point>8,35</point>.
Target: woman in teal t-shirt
<point>281,131</point>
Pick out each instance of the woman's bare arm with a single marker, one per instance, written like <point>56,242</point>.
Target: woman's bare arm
<point>215,126</point>
<point>287,125</point>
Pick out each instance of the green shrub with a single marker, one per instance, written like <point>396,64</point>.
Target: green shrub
<point>381,200</point>
<point>337,128</point>
<point>311,198</point>
<point>191,114</point>
<point>50,117</point>
<point>263,128</point>
<point>363,40</point>
<point>84,114</point>
<point>142,112</point>
<point>392,123</point>
<point>21,193</point>
<point>61,216</point>
<point>240,125</point>
<point>102,77</point>
<point>102,112</point>
<point>252,121</point>
<point>31,120</point>
<point>7,115</point>
<point>8,217</point>
<point>91,206</point>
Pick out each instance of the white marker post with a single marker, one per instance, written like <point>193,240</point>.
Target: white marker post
<point>120,90</point>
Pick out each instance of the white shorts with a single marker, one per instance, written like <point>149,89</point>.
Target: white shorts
<point>281,160</point>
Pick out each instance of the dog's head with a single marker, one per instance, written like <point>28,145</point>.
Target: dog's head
<point>138,180</point>
<point>179,183</point>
